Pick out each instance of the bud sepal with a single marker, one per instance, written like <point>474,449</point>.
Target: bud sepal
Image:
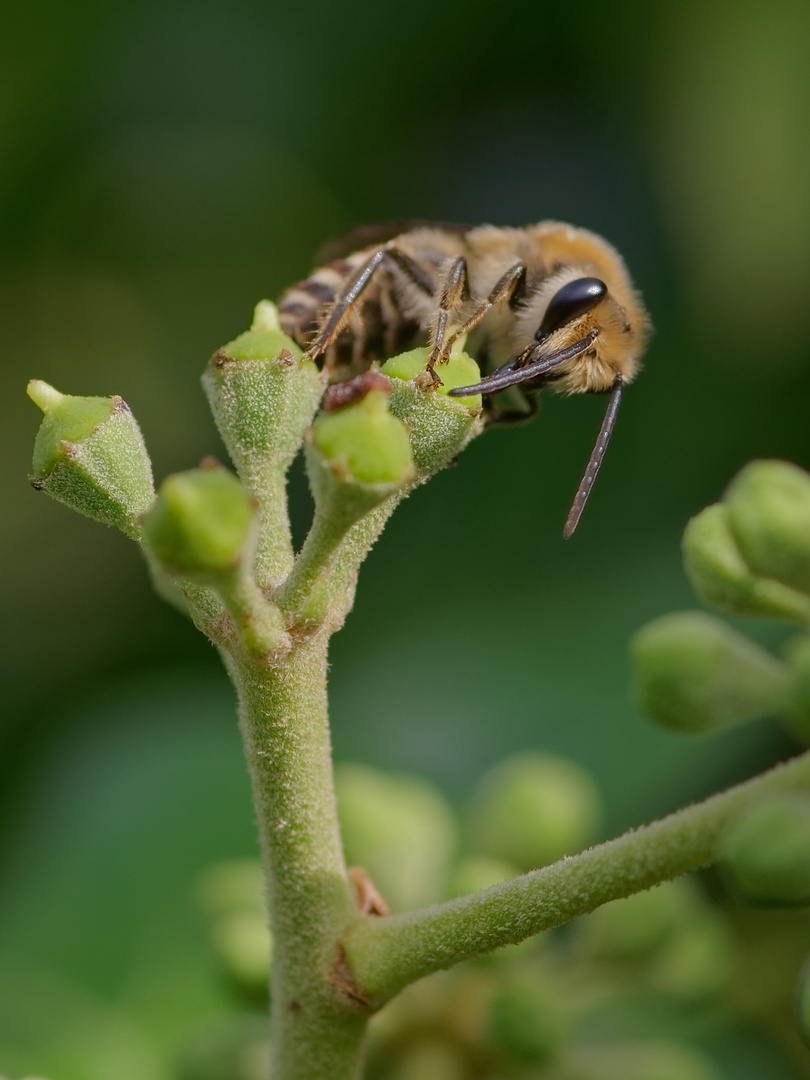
<point>90,455</point>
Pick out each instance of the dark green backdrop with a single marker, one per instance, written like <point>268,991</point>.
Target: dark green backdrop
<point>164,166</point>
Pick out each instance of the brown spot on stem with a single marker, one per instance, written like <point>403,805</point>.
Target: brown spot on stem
<point>342,978</point>
<point>367,896</point>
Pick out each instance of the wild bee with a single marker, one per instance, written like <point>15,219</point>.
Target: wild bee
<point>547,306</point>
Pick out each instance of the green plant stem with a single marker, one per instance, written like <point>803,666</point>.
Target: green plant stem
<point>274,551</point>
<point>386,954</point>
<point>316,1028</point>
<point>325,573</point>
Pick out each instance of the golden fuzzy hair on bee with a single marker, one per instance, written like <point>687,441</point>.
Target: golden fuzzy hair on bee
<point>543,307</point>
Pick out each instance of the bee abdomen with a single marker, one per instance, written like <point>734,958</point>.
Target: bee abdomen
<point>377,330</point>
<point>303,305</point>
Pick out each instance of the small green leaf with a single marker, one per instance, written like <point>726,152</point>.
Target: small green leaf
<point>694,673</point>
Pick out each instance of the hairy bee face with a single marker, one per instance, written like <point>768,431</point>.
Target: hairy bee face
<point>590,296</point>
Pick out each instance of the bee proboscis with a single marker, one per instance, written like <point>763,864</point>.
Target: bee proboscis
<point>547,306</point>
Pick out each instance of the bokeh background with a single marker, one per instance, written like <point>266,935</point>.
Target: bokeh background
<point>165,166</point>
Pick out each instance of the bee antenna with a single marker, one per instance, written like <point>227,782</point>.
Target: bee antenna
<point>595,462</point>
<point>509,374</point>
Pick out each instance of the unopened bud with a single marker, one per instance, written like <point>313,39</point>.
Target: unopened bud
<point>694,673</point>
<point>477,872</point>
<point>723,579</point>
<point>89,454</point>
<point>769,514</point>
<point>634,927</point>
<point>645,1060</point>
<point>263,395</point>
<point>766,851</point>
<point>200,523</point>
<point>527,1020</point>
<point>232,894</point>
<point>363,442</point>
<point>439,426</point>
<point>400,830</point>
<point>797,716</point>
<point>534,808</point>
<point>803,1003</point>
<point>460,370</point>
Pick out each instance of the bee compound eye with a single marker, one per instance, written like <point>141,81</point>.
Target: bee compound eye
<point>568,303</point>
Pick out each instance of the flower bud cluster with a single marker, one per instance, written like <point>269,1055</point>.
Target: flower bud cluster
<point>530,1009</point>
<point>748,555</point>
<point>220,544</point>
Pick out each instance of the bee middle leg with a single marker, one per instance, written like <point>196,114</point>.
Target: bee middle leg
<point>455,288</point>
<point>340,309</point>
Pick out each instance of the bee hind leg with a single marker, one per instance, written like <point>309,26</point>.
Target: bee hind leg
<point>335,320</point>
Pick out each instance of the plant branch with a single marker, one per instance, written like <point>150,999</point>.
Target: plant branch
<point>386,954</point>
<point>317,1029</point>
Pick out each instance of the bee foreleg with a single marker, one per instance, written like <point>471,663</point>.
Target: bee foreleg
<point>340,308</point>
<point>510,285</point>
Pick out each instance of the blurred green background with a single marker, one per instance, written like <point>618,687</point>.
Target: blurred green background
<point>166,165</point>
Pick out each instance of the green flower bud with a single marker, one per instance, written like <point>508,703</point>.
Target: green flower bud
<point>439,426</point>
<point>200,523</point>
<point>263,395</point>
<point>797,718</point>
<point>527,1020</point>
<point>364,442</point>
<point>648,1060</point>
<point>429,1059</point>
<point>698,961</point>
<point>477,872</point>
<point>89,454</point>
<point>400,830</point>
<point>803,1003</point>
<point>694,673</point>
<point>460,370</point>
<point>766,851</point>
<point>769,513</point>
<point>232,894</point>
<point>633,928</point>
<point>721,577</point>
<point>534,808</point>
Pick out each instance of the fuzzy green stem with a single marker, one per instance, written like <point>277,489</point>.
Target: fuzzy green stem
<point>274,551</point>
<point>317,1028</point>
<point>323,580</point>
<point>386,954</point>
<point>258,622</point>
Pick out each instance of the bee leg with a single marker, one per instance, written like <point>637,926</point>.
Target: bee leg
<point>511,286</point>
<point>337,316</point>
<point>454,288</point>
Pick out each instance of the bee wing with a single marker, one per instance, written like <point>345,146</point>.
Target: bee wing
<point>367,236</point>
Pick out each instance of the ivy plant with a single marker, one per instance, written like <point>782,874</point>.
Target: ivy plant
<point>218,546</point>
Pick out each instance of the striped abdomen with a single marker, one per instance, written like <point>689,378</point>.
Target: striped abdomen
<point>376,327</point>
